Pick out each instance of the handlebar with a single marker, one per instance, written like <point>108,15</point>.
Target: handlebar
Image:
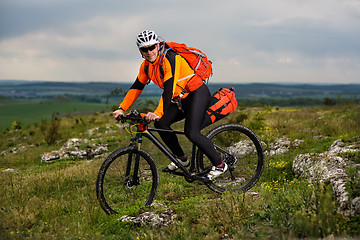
<point>133,116</point>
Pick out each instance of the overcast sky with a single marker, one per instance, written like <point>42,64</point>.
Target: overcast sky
<point>248,41</point>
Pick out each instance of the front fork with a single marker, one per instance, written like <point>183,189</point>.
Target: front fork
<point>134,181</point>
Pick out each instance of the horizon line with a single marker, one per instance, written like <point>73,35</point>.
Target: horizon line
<point>210,82</point>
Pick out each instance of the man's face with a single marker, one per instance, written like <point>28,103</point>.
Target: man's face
<point>150,53</point>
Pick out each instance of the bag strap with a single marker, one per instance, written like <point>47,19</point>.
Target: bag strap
<point>163,52</point>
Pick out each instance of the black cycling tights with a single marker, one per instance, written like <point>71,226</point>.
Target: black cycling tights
<point>194,106</point>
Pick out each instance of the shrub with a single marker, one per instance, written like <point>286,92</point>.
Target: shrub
<point>302,210</point>
<point>53,130</point>
<point>353,185</point>
<point>240,118</point>
<point>16,125</point>
<point>257,123</point>
<point>329,101</point>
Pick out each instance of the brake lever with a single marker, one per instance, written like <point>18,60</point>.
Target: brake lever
<point>134,116</point>
<point>121,118</point>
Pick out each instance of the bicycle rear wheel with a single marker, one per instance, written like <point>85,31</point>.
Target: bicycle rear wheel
<point>240,148</point>
<point>119,186</point>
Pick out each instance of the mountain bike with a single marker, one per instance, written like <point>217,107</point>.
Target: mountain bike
<point>129,176</point>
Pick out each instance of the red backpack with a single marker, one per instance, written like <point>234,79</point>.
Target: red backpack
<point>197,60</point>
<point>223,102</point>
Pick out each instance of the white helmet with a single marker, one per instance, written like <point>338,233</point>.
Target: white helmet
<point>146,38</point>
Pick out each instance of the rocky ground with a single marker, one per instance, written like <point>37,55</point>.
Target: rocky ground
<point>331,166</point>
<point>327,166</point>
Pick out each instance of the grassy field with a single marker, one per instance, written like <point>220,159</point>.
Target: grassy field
<point>30,111</point>
<point>57,200</point>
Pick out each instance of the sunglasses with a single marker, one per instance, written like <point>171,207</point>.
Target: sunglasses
<point>146,49</point>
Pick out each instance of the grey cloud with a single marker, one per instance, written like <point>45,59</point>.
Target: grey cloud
<point>306,36</point>
<point>255,33</point>
<point>21,17</point>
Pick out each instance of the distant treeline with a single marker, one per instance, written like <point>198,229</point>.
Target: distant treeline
<point>258,90</point>
<point>84,98</point>
<point>287,102</point>
<point>151,100</point>
<point>248,94</point>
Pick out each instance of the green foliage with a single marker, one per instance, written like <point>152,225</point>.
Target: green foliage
<point>146,105</point>
<point>116,91</point>
<point>5,131</point>
<point>353,184</point>
<point>352,156</point>
<point>302,210</point>
<point>16,125</point>
<point>31,111</point>
<point>53,130</point>
<point>282,102</point>
<point>39,198</point>
<point>240,118</point>
<point>318,219</point>
<point>257,122</point>
<point>329,101</point>
<point>227,212</point>
<point>279,169</point>
<point>114,108</point>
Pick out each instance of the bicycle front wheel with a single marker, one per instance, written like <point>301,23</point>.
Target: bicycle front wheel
<point>241,149</point>
<point>128,178</point>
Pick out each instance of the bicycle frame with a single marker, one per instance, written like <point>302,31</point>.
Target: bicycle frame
<point>244,169</point>
<point>190,175</point>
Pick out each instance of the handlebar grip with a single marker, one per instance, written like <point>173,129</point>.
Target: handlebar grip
<point>120,118</point>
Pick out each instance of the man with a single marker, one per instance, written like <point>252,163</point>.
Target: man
<point>184,96</point>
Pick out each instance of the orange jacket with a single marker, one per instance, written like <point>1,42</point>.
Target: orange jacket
<point>177,75</point>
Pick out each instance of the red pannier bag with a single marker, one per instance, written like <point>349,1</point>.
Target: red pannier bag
<point>223,102</point>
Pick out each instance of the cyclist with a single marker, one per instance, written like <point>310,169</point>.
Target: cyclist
<point>184,96</point>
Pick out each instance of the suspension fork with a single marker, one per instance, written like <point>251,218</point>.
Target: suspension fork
<point>137,160</point>
<point>136,143</point>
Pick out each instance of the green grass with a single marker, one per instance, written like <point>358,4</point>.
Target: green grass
<point>58,201</point>
<point>30,111</point>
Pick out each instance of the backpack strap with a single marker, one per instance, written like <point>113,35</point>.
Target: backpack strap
<point>163,52</point>
<point>161,69</point>
<point>161,61</point>
<point>146,69</point>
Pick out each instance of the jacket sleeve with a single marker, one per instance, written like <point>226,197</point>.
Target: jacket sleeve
<point>136,89</point>
<point>133,94</point>
<point>159,110</point>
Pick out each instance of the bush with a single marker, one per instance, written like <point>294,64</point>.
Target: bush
<point>16,125</point>
<point>302,210</point>
<point>329,101</point>
<point>353,185</point>
<point>257,123</point>
<point>53,130</point>
<point>240,118</point>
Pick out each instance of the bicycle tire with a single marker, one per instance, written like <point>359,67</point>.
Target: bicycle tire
<point>242,151</point>
<point>117,192</point>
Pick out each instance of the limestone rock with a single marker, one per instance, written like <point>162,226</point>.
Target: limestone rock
<point>72,149</point>
<point>152,218</point>
<point>328,166</point>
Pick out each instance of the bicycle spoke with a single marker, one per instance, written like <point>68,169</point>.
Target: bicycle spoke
<point>242,151</point>
<point>124,186</point>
